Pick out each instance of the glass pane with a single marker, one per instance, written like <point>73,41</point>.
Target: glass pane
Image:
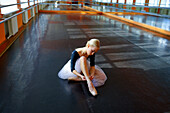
<point>140,2</point>
<point>36,2</point>
<point>121,1</point>
<point>58,7</point>
<point>153,2</point>
<point>114,1</point>
<point>23,0</point>
<point>8,9</point>
<point>129,2</point>
<point>31,3</point>
<point>39,1</point>
<point>165,3</point>
<point>7,2</point>
<point>106,1</point>
<point>25,5</point>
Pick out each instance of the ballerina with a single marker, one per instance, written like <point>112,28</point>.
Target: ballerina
<point>78,68</point>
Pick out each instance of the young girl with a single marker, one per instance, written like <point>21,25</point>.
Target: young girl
<point>80,69</point>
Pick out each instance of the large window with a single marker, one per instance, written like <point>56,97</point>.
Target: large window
<point>140,2</point>
<point>7,2</point>
<point>40,1</point>
<point>24,5</point>
<point>165,3</point>
<point>99,0</point>
<point>106,1</point>
<point>8,9</point>
<point>36,1</point>
<point>31,2</point>
<point>129,2</point>
<point>154,2</point>
<point>114,1</point>
<point>121,1</point>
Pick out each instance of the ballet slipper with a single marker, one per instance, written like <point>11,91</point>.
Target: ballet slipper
<point>92,90</point>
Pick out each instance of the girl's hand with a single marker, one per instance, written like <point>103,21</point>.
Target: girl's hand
<point>83,77</point>
<point>91,77</point>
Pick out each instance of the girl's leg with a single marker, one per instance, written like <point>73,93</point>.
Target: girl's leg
<point>75,79</point>
<point>84,69</point>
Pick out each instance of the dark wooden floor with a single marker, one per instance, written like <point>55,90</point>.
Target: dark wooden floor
<point>136,62</point>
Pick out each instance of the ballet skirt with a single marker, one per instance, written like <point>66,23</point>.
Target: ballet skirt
<point>99,76</point>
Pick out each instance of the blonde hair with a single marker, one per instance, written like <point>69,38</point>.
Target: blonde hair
<point>94,43</point>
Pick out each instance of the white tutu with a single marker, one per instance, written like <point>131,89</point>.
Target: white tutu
<point>99,76</point>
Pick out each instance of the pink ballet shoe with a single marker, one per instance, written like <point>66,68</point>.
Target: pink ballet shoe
<point>93,92</point>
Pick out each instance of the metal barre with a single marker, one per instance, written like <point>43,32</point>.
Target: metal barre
<point>15,15</point>
<point>1,6</point>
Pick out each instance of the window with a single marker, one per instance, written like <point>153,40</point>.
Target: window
<point>31,3</point>
<point>106,1</point>
<point>7,2</point>
<point>129,2</point>
<point>23,0</point>
<point>36,2</point>
<point>24,5</point>
<point>39,1</point>
<point>8,9</point>
<point>140,2</point>
<point>165,3</point>
<point>154,2</point>
<point>121,1</point>
<point>114,1</point>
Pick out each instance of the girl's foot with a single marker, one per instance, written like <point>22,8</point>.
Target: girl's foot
<point>92,89</point>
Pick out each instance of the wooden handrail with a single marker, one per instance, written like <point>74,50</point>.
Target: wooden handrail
<point>148,27</point>
<point>15,15</point>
